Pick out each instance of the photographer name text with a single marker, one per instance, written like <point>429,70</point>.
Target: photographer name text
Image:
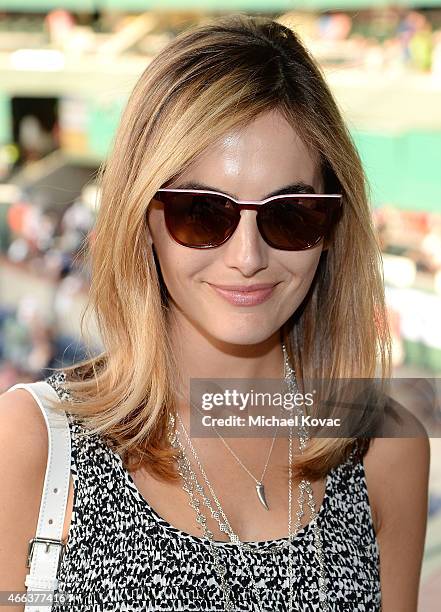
<point>269,421</point>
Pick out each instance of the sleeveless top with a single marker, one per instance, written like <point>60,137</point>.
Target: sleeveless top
<point>121,555</point>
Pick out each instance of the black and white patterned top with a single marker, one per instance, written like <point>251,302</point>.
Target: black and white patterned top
<point>121,555</point>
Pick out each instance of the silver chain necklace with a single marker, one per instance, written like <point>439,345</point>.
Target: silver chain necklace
<point>260,488</point>
<point>191,485</point>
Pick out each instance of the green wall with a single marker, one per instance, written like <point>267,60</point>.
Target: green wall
<point>403,168</point>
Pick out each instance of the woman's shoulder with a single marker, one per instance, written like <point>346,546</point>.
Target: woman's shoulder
<point>396,471</point>
<point>22,427</point>
<point>402,444</point>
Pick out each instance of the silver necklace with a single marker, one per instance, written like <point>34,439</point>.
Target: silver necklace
<point>260,488</point>
<point>191,485</point>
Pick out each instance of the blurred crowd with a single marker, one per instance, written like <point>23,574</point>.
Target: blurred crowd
<point>376,37</point>
<point>412,234</point>
<point>52,245</point>
<point>393,39</point>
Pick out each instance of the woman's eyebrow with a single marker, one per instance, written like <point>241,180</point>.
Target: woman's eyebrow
<point>299,187</point>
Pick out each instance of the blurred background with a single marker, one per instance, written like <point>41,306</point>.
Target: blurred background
<point>66,71</point>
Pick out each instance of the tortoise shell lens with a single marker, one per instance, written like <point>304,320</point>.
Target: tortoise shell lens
<point>205,219</point>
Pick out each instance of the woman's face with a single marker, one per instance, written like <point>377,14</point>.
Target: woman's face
<point>251,163</point>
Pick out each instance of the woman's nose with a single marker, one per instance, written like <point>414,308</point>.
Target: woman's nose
<point>246,249</point>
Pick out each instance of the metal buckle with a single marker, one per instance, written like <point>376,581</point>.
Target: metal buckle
<point>48,542</point>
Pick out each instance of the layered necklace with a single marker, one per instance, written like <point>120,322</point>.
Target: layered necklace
<point>193,487</point>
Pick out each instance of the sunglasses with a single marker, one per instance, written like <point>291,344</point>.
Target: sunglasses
<point>205,219</point>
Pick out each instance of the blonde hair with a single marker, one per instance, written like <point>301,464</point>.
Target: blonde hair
<point>206,81</point>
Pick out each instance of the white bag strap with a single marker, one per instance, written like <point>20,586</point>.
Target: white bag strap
<point>45,550</point>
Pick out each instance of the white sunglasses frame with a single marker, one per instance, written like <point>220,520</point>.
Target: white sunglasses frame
<point>252,205</point>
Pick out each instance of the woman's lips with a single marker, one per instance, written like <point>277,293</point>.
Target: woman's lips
<point>245,298</point>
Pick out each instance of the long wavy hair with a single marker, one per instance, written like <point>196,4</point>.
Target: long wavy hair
<point>206,81</point>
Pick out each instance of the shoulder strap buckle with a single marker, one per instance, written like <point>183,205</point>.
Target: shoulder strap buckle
<point>48,542</point>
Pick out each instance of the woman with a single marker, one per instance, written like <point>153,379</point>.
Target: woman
<point>158,520</point>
